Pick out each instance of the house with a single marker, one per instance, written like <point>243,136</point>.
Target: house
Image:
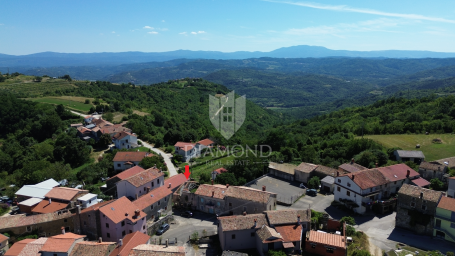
<point>28,205</point>
<point>93,248</point>
<point>126,160</point>
<point>416,208</point>
<point>325,244</point>
<point>218,172</point>
<point>361,190</point>
<point>88,221</point>
<point>58,199</point>
<point>27,247</point>
<point>36,191</point>
<point>350,167</point>
<point>136,185</point>
<point>268,238</point>
<point>125,140</point>
<point>241,199</point>
<point>444,219</point>
<point>114,129</point>
<point>451,187</point>
<point>203,144</point>
<point>210,198</point>
<point>303,172</point>
<point>44,224</point>
<point>88,200</point>
<point>327,184</point>
<point>155,203</point>
<point>157,250</point>
<point>409,155</point>
<point>111,183</point>
<point>239,232</point>
<point>284,171</point>
<point>183,197</point>
<point>76,125</point>
<point>449,162</point>
<point>88,119</point>
<point>174,182</point>
<point>4,246</point>
<point>61,244</point>
<point>119,218</point>
<point>430,171</point>
<point>130,241</point>
<point>186,150</point>
<point>323,171</point>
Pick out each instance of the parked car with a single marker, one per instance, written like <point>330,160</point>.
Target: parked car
<point>187,214</point>
<point>162,229</point>
<point>312,192</point>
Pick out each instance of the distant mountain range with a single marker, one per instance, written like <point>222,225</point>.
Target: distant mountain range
<point>52,59</point>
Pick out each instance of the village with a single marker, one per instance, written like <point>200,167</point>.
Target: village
<point>152,211</point>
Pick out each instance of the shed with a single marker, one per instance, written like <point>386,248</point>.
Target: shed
<point>415,156</point>
<point>28,205</point>
<point>327,184</point>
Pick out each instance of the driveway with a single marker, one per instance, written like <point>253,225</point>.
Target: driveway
<point>167,158</point>
<point>318,203</point>
<point>286,190</point>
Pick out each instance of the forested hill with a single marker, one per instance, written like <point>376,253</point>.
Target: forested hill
<point>329,139</point>
<point>179,110</point>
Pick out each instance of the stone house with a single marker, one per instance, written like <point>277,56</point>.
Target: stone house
<point>87,221</point>
<point>155,203</point>
<point>350,167</point>
<point>304,171</point>
<point>119,218</point>
<point>430,171</point>
<point>284,171</point>
<point>93,248</point>
<point>157,250</point>
<point>111,183</point>
<point>125,140</point>
<point>141,183</point>
<point>415,156</point>
<point>126,160</point>
<point>325,244</point>
<point>416,208</point>
<point>183,197</point>
<point>451,188</point>
<point>241,199</point>
<point>268,238</point>
<point>174,182</point>
<point>327,184</point>
<point>239,232</point>
<point>45,224</point>
<point>211,198</point>
<point>61,245</point>
<point>444,219</point>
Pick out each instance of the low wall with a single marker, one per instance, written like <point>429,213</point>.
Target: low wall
<point>151,229</point>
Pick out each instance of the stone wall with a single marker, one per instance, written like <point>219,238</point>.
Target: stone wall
<point>152,228</point>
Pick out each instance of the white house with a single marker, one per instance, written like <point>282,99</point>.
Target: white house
<point>140,184</point>
<point>451,190</point>
<point>125,140</point>
<point>88,200</point>
<point>202,144</point>
<point>186,150</point>
<point>88,119</point>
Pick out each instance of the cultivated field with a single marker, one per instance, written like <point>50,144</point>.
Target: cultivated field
<point>25,85</point>
<point>432,151</point>
<point>71,104</point>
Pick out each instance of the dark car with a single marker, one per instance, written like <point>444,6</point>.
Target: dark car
<point>187,214</point>
<point>312,192</point>
<point>162,229</point>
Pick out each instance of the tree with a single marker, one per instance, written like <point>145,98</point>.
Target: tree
<point>348,219</point>
<point>226,178</point>
<point>67,78</point>
<point>276,253</point>
<point>436,184</point>
<point>38,79</point>
<point>361,253</point>
<point>314,182</point>
<point>87,101</point>
<point>149,162</point>
<point>105,140</point>
<point>108,116</point>
<point>204,177</point>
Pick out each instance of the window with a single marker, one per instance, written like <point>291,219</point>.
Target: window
<point>371,189</point>
<point>165,208</point>
<point>348,193</point>
<point>165,199</point>
<point>313,245</point>
<point>202,200</point>
<point>89,215</point>
<point>123,223</point>
<point>349,184</point>
<point>143,227</point>
<point>123,233</point>
<point>108,235</point>
<point>438,223</point>
<point>151,207</point>
<point>29,228</point>
<point>329,249</point>
<point>118,165</point>
<point>252,234</point>
<point>153,183</point>
<point>218,204</point>
<point>339,181</point>
<point>144,188</point>
<point>233,236</point>
<point>230,204</point>
<point>126,141</point>
<point>452,225</point>
<point>107,225</point>
<point>131,231</point>
<point>90,201</point>
<point>338,189</point>
<point>385,185</point>
<point>244,208</point>
<point>413,204</point>
<point>55,254</point>
<point>85,224</point>
<point>395,182</point>
<point>424,207</point>
<point>159,202</point>
<point>380,186</point>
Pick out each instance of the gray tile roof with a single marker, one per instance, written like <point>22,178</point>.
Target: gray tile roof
<point>410,153</point>
<point>328,180</point>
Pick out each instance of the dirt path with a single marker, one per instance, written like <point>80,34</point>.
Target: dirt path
<point>374,250</point>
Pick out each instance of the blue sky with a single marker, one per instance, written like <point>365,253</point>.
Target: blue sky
<point>224,25</point>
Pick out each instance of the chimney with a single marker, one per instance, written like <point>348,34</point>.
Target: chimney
<point>408,172</point>
<point>78,209</point>
<point>244,213</point>
<point>227,185</point>
<point>377,165</point>
<point>120,242</point>
<point>167,242</point>
<point>298,219</point>
<point>421,195</point>
<point>137,213</point>
<point>213,193</point>
<point>353,177</point>
<point>50,201</point>
<point>263,188</point>
<point>255,222</point>
<point>212,182</point>
<point>100,240</point>
<point>63,230</point>
<point>352,161</point>
<point>169,185</point>
<point>154,166</point>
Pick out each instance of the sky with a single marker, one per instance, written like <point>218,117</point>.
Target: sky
<point>30,26</point>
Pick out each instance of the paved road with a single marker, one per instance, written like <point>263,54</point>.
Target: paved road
<point>167,158</point>
<point>84,115</point>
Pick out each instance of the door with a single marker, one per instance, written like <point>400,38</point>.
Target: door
<point>210,210</point>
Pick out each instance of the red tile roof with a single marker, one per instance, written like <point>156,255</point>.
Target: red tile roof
<point>447,203</point>
<point>101,123</point>
<point>86,248</point>
<point>122,209</point>
<point>421,182</point>
<point>133,156</point>
<point>34,248</point>
<point>129,172</point>
<point>306,167</point>
<point>290,233</point>
<point>3,238</point>
<point>22,220</point>
<point>58,244</point>
<point>144,177</point>
<point>185,146</point>
<point>250,194</point>
<point>327,239</point>
<point>175,180</point>
<point>122,135</point>
<point>69,235</point>
<point>367,178</point>
<point>268,235</point>
<point>397,172</point>
<point>220,170</point>
<point>129,242</point>
<point>45,207</point>
<point>206,190</point>
<point>157,250</point>
<point>152,197</point>
<point>205,142</point>
<point>352,167</point>
<point>240,222</point>
<point>96,206</point>
<point>64,193</point>
<point>17,247</point>
<point>114,128</point>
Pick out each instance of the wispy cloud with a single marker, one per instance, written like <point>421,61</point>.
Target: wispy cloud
<point>152,32</point>
<point>148,27</point>
<point>344,8</point>
<point>183,33</point>
<point>199,32</point>
<point>113,32</point>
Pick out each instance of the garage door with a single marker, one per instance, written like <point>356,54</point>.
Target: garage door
<point>326,189</point>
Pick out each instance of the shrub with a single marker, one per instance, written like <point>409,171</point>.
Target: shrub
<point>314,182</point>
<point>87,101</point>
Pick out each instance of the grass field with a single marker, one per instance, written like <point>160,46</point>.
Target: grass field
<point>431,150</point>
<point>71,104</point>
<point>208,166</point>
<point>25,84</point>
